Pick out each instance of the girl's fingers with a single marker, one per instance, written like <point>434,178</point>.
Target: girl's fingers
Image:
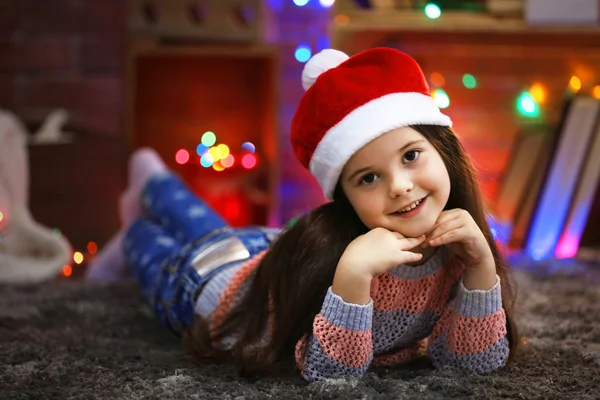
<point>409,256</point>
<point>441,228</point>
<point>411,243</point>
<point>452,236</point>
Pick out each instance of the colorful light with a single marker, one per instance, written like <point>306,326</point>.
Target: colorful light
<point>228,161</point>
<point>538,93</point>
<point>527,106</point>
<point>324,42</point>
<point>67,270</point>
<point>206,160</point>
<point>249,146</point>
<point>215,153</point>
<point>56,232</point>
<point>326,3</point>
<point>1,216</point>
<point>92,248</point>
<point>301,3</point>
<point>303,53</point>
<point>575,84</point>
<point>441,98</point>
<point>341,20</point>
<point>78,257</point>
<point>182,156</point>
<point>432,11</point>
<point>469,81</point>
<point>209,138</point>
<point>249,161</point>
<point>218,167</point>
<point>223,151</point>
<point>437,79</point>
<point>596,92</point>
<point>201,149</point>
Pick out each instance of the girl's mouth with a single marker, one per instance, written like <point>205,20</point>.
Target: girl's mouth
<point>411,210</point>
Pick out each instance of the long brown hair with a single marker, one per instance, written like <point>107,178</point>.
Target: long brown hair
<point>289,285</point>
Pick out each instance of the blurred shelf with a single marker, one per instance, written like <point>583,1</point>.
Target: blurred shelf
<point>395,21</point>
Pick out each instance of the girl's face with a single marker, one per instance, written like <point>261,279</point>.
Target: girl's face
<point>398,182</point>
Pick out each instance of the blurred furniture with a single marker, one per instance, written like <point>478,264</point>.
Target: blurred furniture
<point>188,77</point>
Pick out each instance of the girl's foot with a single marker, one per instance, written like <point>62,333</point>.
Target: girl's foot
<point>110,265</point>
<point>143,164</point>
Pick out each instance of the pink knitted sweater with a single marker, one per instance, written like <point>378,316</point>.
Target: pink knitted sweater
<point>413,310</point>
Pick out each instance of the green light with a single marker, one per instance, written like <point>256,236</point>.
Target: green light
<point>56,232</point>
<point>209,138</point>
<point>441,98</point>
<point>469,81</point>
<point>527,105</point>
<point>432,11</point>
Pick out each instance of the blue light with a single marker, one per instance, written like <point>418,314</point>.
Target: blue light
<point>301,3</point>
<point>323,43</point>
<point>303,53</point>
<point>201,149</point>
<point>206,161</point>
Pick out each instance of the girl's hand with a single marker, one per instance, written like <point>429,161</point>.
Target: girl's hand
<point>457,229</point>
<point>378,251</point>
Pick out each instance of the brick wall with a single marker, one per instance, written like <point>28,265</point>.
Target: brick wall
<point>69,54</point>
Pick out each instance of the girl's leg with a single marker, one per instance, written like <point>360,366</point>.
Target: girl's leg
<point>186,217</point>
<point>154,257</point>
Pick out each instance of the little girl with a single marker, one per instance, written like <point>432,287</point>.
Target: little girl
<point>400,263</point>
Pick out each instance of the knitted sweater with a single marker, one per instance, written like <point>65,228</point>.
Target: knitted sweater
<point>413,310</point>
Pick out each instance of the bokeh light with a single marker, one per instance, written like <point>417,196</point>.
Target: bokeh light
<point>469,81</point>
<point>249,146</point>
<point>182,156</point>
<point>92,248</point>
<point>303,53</point>
<point>538,93</point>
<point>432,11</point>
<point>78,257</point>
<point>228,161</point>
<point>209,138</point>
<point>249,161</point>
<point>441,98</point>
<point>206,160</point>
<point>201,149</point>
<point>575,84</point>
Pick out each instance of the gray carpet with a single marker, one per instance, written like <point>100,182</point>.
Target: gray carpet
<point>70,340</point>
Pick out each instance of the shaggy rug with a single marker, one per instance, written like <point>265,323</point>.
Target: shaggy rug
<point>73,340</point>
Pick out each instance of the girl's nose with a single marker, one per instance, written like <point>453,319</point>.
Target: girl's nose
<point>400,185</point>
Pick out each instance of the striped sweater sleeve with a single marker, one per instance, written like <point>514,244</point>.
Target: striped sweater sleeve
<point>471,333</point>
<point>340,344</point>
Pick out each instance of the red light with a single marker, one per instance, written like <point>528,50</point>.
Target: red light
<point>92,248</point>
<point>249,161</point>
<point>182,156</point>
<point>67,270</point>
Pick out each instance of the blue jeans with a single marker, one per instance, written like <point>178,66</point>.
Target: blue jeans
<point>161,247</point>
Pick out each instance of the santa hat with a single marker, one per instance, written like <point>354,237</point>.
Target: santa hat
<point>350,101</point>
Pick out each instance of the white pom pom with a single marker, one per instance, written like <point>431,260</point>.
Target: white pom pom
<point>319,63</point>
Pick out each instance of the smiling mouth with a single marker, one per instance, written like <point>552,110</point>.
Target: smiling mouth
<point>411,207</point>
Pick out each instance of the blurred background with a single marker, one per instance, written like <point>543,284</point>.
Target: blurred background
<point>212,86</point>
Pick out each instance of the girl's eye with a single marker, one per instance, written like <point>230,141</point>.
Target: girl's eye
<point>368,179</point>
<point>410,156</point>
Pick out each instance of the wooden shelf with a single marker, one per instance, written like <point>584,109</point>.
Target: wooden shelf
<point>401,21</point>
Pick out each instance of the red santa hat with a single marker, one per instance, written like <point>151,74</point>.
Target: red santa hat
<point>350,101</point>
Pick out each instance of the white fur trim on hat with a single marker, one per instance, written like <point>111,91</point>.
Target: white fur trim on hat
<point>366,123</point>
<point>319,63</point>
